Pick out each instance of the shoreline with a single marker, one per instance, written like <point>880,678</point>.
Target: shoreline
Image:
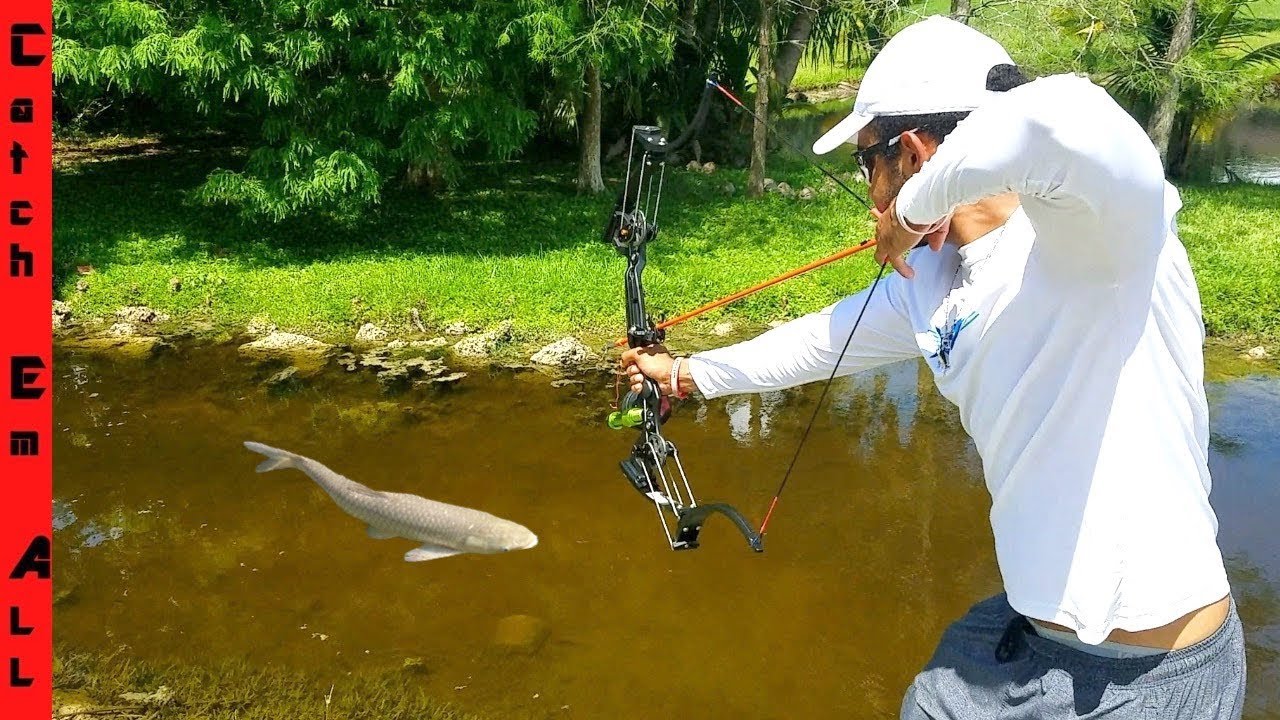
<point>513,256</point>
<point>440,353</point>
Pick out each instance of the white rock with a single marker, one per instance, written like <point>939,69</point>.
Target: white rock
<point>282,345</point>
<point>260,325</point>
<point>140,314</point>
<point>565,352</point>
<point>370,333</point>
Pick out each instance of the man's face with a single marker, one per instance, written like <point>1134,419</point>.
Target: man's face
<point>889,174</point>
<point>886,178</point>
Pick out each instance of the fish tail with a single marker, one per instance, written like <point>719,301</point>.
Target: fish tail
<point>276,458</point>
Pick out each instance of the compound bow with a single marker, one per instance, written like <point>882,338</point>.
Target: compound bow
<point>654,466</point>
<point>632,226</point>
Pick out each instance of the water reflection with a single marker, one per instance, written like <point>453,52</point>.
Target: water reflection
<point>1245,148</point>
<point>880,541</point>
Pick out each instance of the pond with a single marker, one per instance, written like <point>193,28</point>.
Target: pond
<point>167,541</point>
<point>1244,148</point>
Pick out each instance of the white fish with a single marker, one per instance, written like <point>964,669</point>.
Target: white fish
<point>443,529</point>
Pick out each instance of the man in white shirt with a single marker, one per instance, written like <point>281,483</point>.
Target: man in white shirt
<point>1057,310</point>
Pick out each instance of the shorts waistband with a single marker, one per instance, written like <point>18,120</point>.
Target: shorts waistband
<point>1153,669</point>
<point>1106,648</point>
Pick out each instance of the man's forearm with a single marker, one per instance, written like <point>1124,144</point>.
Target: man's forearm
<point>806,349</point>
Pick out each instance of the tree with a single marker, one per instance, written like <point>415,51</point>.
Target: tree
<point>333,98</point>
<point>764,79</point>
<point>852,31</point>
<point>1167,106</point>
<point>582,41</point>
<point>589,177</point>
<point>797,38</point>
<point>1126,45</point>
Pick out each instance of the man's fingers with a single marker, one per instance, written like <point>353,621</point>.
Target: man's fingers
<point>899,263</point>
<point>936,239</point>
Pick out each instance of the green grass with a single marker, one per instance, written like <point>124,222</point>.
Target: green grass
<point>1230,236</point>
<point>517,243</point>
<point>236,692</point>
<point>1267,9</point>
<point>811,74</point>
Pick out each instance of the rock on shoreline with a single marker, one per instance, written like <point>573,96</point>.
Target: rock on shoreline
<point>567,352</point>
<point>305,352</point>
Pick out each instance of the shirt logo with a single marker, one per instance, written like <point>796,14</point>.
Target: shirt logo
<point>945,336</point>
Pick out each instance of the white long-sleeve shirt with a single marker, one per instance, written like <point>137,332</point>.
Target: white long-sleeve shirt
<point>1071,341</point>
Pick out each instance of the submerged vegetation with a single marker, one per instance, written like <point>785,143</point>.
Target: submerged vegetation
<point>114,685</point>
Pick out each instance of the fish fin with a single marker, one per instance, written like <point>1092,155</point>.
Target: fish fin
<point>356,487</point>
<point>276,458</point>
<point>379,533</point>
<point>429,552</point>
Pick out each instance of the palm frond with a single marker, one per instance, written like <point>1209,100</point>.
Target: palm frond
<point>1265,55</point>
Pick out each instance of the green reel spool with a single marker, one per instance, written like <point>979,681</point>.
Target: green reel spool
<point>631,417</point>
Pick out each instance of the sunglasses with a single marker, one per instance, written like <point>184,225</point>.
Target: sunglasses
<point>864,155</point>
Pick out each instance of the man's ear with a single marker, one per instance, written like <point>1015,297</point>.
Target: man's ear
<point>916,149</point>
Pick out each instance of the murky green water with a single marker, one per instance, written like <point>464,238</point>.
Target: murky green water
<point>169,543</point>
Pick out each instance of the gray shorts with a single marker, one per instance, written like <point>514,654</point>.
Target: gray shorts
<point>991,664</point>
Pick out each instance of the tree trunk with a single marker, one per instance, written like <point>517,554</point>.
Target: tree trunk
<point>793,47</point>
<point>589,179</point>
<point>764,75</point>
<point>961,10</point>
<point>1167,105</point>
<point>688,16</point>
<point>1177,163</point>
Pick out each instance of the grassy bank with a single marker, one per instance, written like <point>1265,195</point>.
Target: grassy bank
<point>112,686</point>
<point>516,242</point>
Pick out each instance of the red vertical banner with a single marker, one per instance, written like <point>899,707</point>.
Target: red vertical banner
<point>26,359</point>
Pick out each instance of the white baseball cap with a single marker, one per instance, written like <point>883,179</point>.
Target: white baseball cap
<point>932,66</point>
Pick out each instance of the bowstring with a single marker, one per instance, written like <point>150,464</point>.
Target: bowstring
<point>764,525</point>
<point>804,436</point>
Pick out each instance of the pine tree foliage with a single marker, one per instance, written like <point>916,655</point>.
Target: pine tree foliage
<point>336,98</point>
<point>1125,43</point>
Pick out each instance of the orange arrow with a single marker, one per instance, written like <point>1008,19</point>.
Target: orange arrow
<point>756,288</point>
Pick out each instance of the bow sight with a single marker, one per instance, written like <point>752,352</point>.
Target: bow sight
<point>633,224</point>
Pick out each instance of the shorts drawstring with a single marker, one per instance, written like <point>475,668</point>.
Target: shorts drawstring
<point>1014,636</point>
